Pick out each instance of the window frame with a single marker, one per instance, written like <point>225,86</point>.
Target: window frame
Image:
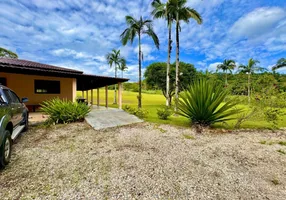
<point>36,82</point>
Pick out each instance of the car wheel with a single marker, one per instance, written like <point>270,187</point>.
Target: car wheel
<point>5,149</point>
<point>26,122</point>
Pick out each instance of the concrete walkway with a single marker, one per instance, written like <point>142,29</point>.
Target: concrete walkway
<point>101,118</point>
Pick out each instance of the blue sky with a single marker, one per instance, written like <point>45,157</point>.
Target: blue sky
<point>79,33</point>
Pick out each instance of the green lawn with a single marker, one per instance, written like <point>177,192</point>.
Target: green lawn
<point>152,102</point>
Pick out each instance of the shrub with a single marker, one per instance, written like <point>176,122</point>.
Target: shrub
<point>64,111</point>
<point>141,113</point>
<point>164,113</point>
<point>272,116</point>
<point>203,103</point>
<point>129,109</point>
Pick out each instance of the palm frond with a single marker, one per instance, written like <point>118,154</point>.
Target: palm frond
<point>153,35</point>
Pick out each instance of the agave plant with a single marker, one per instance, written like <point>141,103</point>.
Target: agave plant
<point>203,103</point>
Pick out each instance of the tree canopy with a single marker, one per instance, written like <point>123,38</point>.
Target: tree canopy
<point>155,75</point>
<point>5,53</point>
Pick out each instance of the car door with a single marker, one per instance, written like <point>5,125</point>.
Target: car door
<point>18,107</point>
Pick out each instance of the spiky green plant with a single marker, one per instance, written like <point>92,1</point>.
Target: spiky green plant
<point>64,111</point>
<point>203,103</point>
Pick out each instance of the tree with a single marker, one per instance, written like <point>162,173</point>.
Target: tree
<point>4,53</point>
<point>160,10</point>
<point>138,28</point>
<point>155,77</point>
<point>118,61</point>
<point>280,63</point>
<point>181,12</point>
<point>123,68</point>
<point>227,65</point>
<point>249,69</point>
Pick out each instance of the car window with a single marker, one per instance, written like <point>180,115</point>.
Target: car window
<point>15,98</point>
<point>7,96</point>
<point>1,99</point>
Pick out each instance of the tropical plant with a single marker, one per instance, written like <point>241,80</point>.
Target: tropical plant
<point>4,53</point>
<point>164,113</point>
<point>122,68</point>
<point>181,12</point>
<point>64,111</point>
<point>227,65</point>
<point>118,61</point>
<point>138,28</point>
<point>203,103</point>
<point>160,10</point>
<point>280,63</point>
<point>249,69</point>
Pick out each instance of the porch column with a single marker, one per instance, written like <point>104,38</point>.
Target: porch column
<point>82,94</point>
<point>120,95</point>
<point>91,101</point>
<point>87,96</point>
<point>106,96</point>
<point>97,96</point>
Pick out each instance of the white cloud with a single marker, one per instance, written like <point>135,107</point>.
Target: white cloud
<point>258,22</point>
<point>213,66</point>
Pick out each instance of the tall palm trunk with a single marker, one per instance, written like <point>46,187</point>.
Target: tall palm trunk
<point>248,88</point>
<point>140,82</point>
<point>115,100</point>
<point>177,64</point>
<point>168,102</point>
<point>226,79</point>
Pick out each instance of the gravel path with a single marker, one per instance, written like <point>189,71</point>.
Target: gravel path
<point>145,161</point>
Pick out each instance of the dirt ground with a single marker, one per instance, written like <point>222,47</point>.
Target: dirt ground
<point>145,161</point>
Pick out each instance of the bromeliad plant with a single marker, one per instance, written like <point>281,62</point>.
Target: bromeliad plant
<point>64,111</point>
<point>203,103</point>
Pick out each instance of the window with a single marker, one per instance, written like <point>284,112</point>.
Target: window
<point>3,81</point>
<point>7,96</point>
<point>14,97</point>
<point>47,87</point>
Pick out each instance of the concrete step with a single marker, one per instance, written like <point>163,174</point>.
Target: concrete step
<point>108,118</point>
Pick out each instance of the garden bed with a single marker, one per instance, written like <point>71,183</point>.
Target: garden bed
<point>145,161</point>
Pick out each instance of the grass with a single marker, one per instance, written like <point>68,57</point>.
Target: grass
<point>275,181</point>
<point>281,151</point>
<point>155,100</point>
<point>188,137</point>
<point>282,143</point>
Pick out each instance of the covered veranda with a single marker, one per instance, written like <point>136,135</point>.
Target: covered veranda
<point>88,84</point>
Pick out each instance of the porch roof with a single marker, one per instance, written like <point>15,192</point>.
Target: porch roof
<point>84,81</point>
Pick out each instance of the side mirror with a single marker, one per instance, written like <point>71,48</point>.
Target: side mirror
<point>24,100</point>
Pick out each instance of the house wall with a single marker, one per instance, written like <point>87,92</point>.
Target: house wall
<point>23,85</point>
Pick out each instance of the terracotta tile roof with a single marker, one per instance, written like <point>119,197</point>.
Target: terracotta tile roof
<point>35,65</point>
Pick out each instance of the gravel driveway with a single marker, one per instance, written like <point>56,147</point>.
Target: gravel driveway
<point>145,161</point>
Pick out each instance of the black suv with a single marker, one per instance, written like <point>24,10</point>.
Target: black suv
<point>14,117</point>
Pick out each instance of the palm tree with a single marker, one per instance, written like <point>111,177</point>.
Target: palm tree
<point>249,69</point>
<point>160,10</point>
<point>227,65</point>
<point>118,61</point>
<point>122,69</point>
<point>280,63</point>
<point>181,12</point>
<point>138,28</point>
